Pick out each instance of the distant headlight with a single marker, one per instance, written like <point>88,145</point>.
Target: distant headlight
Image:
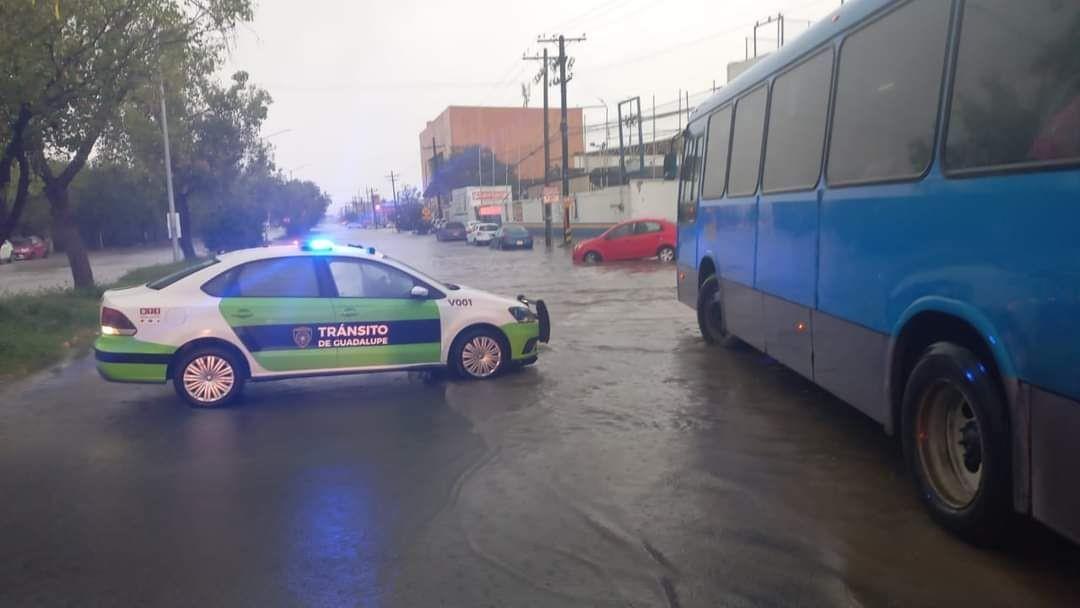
<point>522,314</point>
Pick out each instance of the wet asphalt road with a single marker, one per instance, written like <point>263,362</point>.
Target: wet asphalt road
<point>632,466</point>
<point>53,272</point>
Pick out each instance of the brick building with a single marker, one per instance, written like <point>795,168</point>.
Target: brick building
<point>514,134</point>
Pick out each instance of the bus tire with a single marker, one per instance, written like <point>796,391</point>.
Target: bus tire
<point>955,433</point>
<point>710,311</point>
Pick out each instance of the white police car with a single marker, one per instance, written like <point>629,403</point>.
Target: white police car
<point>306,310</point>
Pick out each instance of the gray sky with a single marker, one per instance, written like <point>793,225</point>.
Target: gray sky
<point>354,82</point>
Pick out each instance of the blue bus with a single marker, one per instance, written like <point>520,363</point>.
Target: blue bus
<point>890,206</point>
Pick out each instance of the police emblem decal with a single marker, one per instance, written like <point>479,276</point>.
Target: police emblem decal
<point>301,336</point>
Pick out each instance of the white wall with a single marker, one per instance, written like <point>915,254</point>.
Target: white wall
<point>640,198</point>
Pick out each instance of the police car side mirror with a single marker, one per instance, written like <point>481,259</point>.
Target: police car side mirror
<point>419,291</point>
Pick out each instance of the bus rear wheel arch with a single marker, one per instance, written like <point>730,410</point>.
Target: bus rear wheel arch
<point>955,435</point>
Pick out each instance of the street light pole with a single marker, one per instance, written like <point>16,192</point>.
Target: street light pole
<point>174,226</point>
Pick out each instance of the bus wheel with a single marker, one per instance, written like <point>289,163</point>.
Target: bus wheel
<point>710,312</point>
<point>956,441</point>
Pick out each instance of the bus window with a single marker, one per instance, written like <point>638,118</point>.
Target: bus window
<point>716,155</point>
<point>689,180</point>
<point>1016,95</point>
<point>797,114</point>
<point>746,145</point>
<point>887,89</point>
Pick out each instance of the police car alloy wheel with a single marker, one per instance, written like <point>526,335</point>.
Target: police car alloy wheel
<point>208,378</point>
<point>480,354</point>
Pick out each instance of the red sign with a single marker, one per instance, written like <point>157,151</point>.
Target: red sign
<point>490,210</point>
<point>551,194</point>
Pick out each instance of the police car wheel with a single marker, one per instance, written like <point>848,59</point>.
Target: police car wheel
<point>208,377</point>
<point>480,354</point>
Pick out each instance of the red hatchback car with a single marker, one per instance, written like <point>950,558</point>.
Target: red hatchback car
<point>29,248</point>
<point>630,240</point>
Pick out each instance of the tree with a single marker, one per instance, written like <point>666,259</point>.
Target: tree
<point>75,64</point>
<point>409,211</point>
<point>470,166</point>
<point>213,136</point>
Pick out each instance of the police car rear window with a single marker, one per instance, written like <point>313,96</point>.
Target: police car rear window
<point>165,281</point>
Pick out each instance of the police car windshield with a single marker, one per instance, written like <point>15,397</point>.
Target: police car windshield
<point>167,280</point>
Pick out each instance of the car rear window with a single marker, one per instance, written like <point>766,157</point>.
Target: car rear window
<point>455,225</point>
<point>515,231</point>
<point>167,280</point>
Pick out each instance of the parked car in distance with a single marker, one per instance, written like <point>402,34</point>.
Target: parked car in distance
<point>29,248</point>
<point>482,234</point>
<point>512,236</point>
<point>630,240</point>
<point>6,252</point>
<point>451,231</point>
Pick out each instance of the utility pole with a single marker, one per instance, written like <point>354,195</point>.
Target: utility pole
<point>562,40</point>
<point>374,213</point>
<point>393,188</point>
<point>173,221</point>
<point>547,147</point>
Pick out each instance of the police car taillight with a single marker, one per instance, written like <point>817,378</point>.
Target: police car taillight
<point>114,323</point>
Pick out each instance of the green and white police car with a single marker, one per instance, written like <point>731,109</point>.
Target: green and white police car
<point>306,310</point>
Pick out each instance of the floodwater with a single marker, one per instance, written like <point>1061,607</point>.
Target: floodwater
<point>631,466</point>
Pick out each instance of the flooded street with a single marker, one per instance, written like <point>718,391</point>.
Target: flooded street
<point>631,466</point>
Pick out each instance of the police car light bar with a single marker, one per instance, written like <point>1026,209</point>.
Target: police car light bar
<point>318,245</point>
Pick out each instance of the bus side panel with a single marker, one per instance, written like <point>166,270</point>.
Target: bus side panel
<point>787,334</point>
<point>1003,245</point>
<point>744,314</point>
<point>731,234</point>
<point>687,262</point>
<point>849,362</point>
<point>787,246</point>
<point>786,268</point>
<point>1055,493</point>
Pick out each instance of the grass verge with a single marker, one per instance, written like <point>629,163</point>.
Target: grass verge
<point>39,329</point>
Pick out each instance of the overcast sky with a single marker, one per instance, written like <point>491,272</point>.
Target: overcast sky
<point>354,82</point>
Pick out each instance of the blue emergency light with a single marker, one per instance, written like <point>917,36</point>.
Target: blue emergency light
<point>318,245</point>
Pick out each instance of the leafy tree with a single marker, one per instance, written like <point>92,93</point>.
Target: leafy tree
<point>213,136</point>
<point>470,166</point>
<point>116,205</point>
<point>72,67</point>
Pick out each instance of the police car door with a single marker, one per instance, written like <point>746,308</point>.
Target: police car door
<point>380,323</point>
<point>275,307</point>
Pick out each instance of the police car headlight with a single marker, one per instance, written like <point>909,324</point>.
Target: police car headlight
<point>522,314</point>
